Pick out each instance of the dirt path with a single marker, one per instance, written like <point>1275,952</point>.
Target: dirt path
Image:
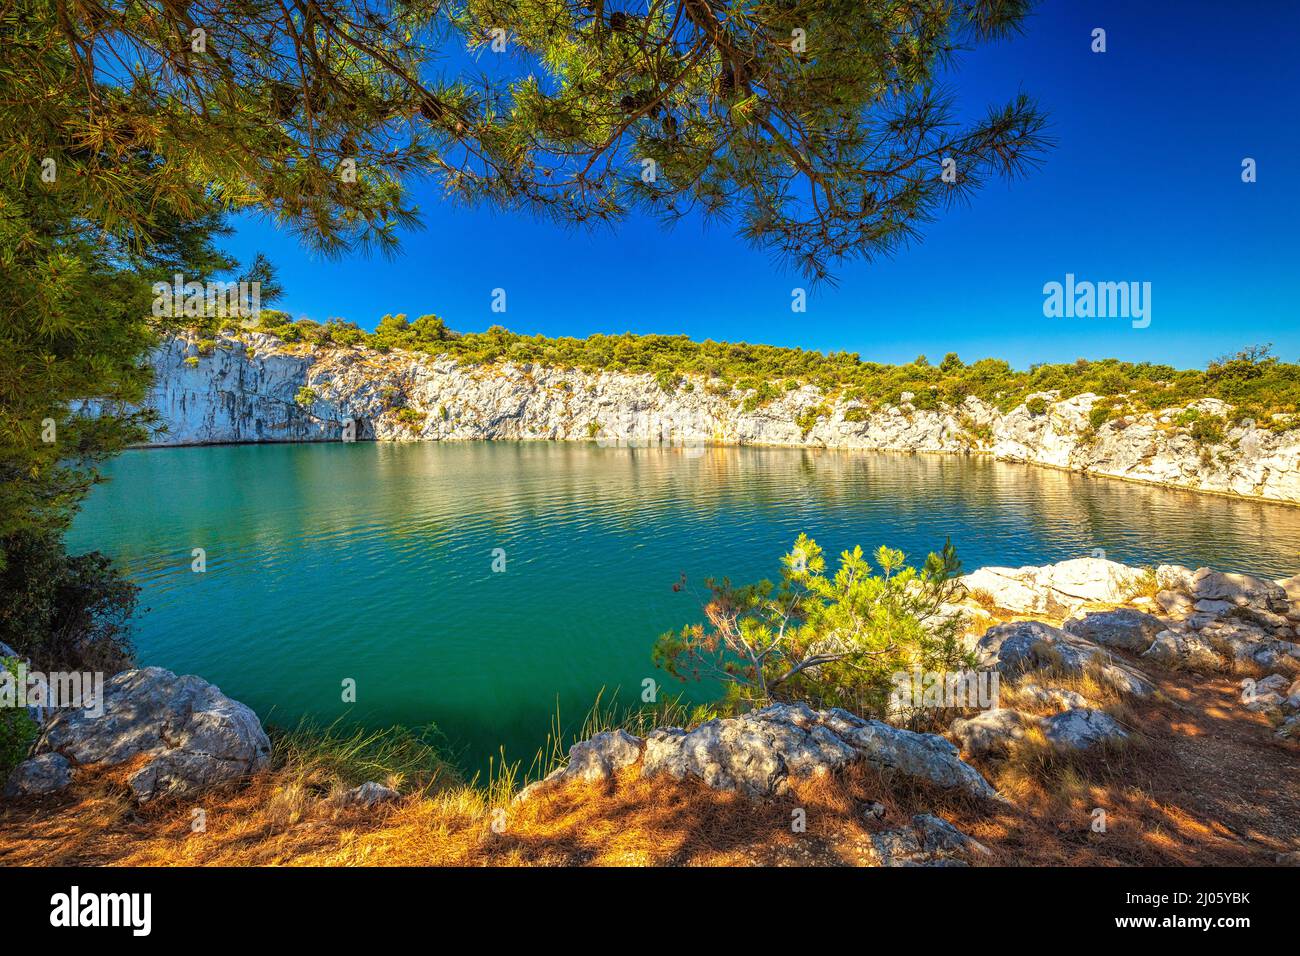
<point>1227,766</point>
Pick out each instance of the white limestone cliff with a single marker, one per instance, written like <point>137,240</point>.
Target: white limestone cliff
<point>255,388</point>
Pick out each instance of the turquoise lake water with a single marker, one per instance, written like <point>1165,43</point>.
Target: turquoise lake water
<point>374,561</point>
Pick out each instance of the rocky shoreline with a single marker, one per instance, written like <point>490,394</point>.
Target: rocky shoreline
<point>1047,632</point>
<point>253,387</point>
<point>1203,620</point>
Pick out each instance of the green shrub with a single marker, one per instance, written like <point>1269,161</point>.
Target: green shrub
<point>410,416</point>
<point>926,399</point>
<point>338,332</point>
<point>978,432</point>
<point>667,381</point>
<point>1036,405</point>
<point>306,396</point>
<point>764,393</point>
<point>1099,416</point>
<point>857,414</point>
<point>65,612</point>
<point>1208,430</point>
<point>808,418</point>
<point>17,729</point>
<point>834,640</point>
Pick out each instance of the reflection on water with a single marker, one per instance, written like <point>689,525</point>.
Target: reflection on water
<point>374,561</point>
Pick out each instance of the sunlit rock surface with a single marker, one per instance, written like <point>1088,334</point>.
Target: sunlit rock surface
<point>253,387</point>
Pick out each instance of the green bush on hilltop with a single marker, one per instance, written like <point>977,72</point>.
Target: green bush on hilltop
<point>1253,380</point>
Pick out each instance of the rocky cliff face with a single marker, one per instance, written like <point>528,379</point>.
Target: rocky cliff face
<point>253,388</point>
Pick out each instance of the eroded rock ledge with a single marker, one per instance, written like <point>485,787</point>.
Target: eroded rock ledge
<point>759,753</point>
<point>254,388</point>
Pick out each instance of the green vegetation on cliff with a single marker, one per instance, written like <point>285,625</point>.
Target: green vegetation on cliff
<point>1253,380</point>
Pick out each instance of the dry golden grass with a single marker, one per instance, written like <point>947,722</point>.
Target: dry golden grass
<point>628,822</point>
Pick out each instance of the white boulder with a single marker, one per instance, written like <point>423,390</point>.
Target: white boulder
<point>192,735</point>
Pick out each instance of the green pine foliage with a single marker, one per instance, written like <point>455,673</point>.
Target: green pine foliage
<point>834,639</point>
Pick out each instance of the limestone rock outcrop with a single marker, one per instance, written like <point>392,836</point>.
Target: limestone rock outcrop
<point>760,752</point>
<point>929,841</point>
<point>252,387</point>
<point>185,734</point>
<point>1058,589</point>
<point>1026,646</point>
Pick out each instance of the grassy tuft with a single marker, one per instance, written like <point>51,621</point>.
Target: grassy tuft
<point>326,759</point>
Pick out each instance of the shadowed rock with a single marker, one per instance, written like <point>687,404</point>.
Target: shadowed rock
<point>1239,589</point>
<point>1082,729</point>
<point>990,731</point>
<point>1124,628</point>
<point>368,794</point>
<point>593,760</point>
<point>1025,646</point>
<point>48,773</point>
<point>1057,697</point>
<point>1183,649</point>
<point>192,735</point>
<point>759,752</point>
<point>930,841</point>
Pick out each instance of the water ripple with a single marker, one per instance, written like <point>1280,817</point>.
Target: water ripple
<point>375,562</point>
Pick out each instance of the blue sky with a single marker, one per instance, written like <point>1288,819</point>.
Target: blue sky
<point>1144,184</point>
